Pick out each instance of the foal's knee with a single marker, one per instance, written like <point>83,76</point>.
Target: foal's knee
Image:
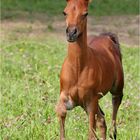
<point>65,103</point>
<point>61,109</point>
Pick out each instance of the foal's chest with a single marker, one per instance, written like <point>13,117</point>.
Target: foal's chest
<point>82,87</point>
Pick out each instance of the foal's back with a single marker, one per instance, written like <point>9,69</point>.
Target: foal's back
<point>105,42</point>
<point>108,56</point>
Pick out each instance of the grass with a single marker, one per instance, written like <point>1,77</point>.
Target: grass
<point>29,78</point>
<point>30,90</point>
<point>9,8</point>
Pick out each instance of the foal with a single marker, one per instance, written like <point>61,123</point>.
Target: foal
<point>91,69</point>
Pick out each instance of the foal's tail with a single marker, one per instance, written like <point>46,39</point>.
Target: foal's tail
<point>115,39</point>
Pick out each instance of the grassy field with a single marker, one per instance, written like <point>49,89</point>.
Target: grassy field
<point>30,90</point>
<point>55,7</point>
<point>30,63</point>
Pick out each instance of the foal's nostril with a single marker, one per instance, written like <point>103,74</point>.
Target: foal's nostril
<point>71,31</point>
<point>67,30</point>
<point>75,31</point>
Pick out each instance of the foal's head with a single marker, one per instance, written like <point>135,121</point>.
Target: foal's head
<point>76,13</point>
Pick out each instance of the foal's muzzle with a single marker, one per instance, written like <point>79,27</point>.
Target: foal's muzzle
<point>72,34</point>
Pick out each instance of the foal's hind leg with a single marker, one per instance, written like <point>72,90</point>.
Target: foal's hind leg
<point>116,101</point>
<point>101,123</point>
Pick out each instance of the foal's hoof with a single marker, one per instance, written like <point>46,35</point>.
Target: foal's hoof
<point>113,133</point>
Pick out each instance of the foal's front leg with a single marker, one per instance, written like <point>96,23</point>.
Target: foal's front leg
<point>61,112</point>
<point>92,110</point>
<point>65,103</point>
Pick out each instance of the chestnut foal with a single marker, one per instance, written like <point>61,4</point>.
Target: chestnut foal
<point>91,69</point>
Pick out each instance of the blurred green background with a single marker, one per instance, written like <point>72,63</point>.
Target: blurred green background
<point>55,7</point>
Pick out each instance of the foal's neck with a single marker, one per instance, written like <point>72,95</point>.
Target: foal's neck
<point>77,51</point>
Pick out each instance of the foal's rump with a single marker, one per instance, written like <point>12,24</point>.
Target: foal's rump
<point>108,56</point>
<point>105,39</point>
<point>115,40</point>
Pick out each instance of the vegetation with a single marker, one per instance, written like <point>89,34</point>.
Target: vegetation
<point>55,7</point>
<point>30,89</point>
<point>29,77</point>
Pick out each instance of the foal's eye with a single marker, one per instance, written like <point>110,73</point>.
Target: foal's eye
<point>64,13</point>
<point>85,14</point>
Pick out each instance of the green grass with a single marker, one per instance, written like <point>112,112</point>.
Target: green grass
<point>55,7</point>
<point>29,78</point>
<point>30,90</point>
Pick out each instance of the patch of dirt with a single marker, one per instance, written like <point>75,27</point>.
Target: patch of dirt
<point>126,27</point>
<point>40,27</point>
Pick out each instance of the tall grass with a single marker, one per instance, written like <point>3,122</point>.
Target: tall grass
<point>30,89</point>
